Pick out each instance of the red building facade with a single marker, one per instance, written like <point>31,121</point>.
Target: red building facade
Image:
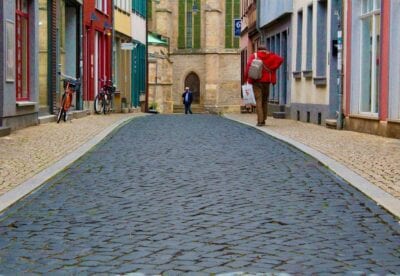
<point>97,46</point>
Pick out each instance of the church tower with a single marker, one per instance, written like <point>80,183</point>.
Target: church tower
<point>203,51</point>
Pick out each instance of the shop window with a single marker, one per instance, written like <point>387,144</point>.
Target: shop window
<point>22,50</point>
<point>370,53</point>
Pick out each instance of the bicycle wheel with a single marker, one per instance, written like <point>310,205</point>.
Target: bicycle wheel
<point>104,105</point>
<point>60,114</point>
<point>62,110</point>
<point>98,104</point>
<point>107,104</point>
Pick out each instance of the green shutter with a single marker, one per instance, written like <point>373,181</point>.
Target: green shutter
<point>228,24</point>
<point>189,42</point>
<point>181,25</point>
<point>236,15</point>
<point>138,73</point>
<point>197,27</point>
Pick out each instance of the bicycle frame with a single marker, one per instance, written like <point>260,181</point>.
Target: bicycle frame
<point>71,85</point>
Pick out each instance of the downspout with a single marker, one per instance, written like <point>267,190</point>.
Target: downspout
<point>339,122</point>
<point>258,19</point>
<point>113,44</point>
<point>146,104</point>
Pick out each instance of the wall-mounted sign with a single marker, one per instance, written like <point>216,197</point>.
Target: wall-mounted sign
<point>127,46</point>
<point>238,26</point>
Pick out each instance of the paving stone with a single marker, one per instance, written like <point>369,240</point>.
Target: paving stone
<point>211,205</point>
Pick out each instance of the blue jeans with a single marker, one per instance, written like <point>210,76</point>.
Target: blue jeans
<point>187,108</point>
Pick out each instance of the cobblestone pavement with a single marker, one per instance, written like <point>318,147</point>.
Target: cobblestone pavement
<point>28,151</point>
<point>177,194</point>
<point>375,158</point>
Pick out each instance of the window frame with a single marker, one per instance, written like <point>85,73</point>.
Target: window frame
<point>102,6</point>
<point>299,40</point>
<point>19,65</point>
<point>374,90</point>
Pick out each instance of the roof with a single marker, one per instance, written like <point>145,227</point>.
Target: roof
<point>152,39</point>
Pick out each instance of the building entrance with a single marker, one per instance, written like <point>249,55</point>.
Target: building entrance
<point>193,82</point>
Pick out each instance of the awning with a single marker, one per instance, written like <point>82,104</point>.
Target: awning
<point>151,39</point>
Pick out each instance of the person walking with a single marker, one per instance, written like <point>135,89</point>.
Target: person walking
<point>271,63</point>
<point>187,100</point>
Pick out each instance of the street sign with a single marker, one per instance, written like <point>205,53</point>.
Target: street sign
<point>127,46</point>
<point>238,26</point>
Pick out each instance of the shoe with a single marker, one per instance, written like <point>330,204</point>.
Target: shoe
<point>260,124</point>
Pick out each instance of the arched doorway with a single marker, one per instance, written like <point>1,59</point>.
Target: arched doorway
<point>193,82</point>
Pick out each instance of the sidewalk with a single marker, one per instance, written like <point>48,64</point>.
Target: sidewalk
<point>374,158</point>
<point>28,151</point>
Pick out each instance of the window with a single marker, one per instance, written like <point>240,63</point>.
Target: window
<point>189,30</point>
<point>101,5</point>
<point>232,12</point>
<point>189,24</point>
<point>322,38</point>
<point>309,38</point>
<point>299,40</point>
<point>140,6</point>
<point>22,50</point>
<point>370,52</point>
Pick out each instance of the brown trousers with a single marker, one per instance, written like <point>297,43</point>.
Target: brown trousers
<point>261,93</point>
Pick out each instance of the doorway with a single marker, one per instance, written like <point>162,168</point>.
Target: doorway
<point>193,82</point>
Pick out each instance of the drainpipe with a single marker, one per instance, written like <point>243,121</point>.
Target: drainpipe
<point>258,19</point>
<point>113,44</point>
<point>146,108</point>
<point>339,122</point>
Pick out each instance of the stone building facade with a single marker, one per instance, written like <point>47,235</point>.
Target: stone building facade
<point>202,52</point>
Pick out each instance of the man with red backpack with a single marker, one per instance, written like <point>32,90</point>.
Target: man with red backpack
<point>270,63</point>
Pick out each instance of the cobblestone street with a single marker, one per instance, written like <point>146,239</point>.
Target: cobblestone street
<point>177,194</point>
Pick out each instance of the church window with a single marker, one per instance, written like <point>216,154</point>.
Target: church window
<point>232,12</point>
<point>189,24</point>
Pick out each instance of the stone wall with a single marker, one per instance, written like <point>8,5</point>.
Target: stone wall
<point>218,68</point>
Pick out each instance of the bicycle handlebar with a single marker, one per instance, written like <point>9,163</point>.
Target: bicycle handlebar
<point>66,77</point>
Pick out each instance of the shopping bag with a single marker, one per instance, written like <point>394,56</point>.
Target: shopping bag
<point>248,94</point>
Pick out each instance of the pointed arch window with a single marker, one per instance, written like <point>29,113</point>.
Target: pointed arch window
<point>189,24</point>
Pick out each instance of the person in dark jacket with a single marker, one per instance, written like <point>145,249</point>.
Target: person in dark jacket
<point>187,100</point>
<point>271,63</point>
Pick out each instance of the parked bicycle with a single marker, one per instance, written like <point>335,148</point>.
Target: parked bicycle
<point>71,85</point>
<point>103,100</point>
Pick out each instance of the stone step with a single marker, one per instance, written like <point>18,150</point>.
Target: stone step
<point>279,115</point>
<point>331,123</point>
<point>4,131</point>
<point>44,119</point>
<point>196,108</point>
